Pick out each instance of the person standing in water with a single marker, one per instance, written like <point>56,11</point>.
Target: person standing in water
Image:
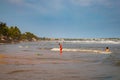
<point>60,46</point>
<point>107,49</point>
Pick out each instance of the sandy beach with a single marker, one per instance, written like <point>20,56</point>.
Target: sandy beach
<point>52,66</point>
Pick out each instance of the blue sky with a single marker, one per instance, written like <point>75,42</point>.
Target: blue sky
<point>63,18</point>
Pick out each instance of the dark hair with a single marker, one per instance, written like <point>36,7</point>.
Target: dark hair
<point>107,47</point>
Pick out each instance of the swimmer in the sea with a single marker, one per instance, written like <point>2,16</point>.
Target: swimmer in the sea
<point>60,45</point>
<point>107,49</point>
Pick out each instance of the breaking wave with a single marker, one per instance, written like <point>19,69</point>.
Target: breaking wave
<point>92,41</point>
<point>81,50</point>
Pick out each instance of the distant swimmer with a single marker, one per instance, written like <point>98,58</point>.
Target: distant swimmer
<point>60,45</point>
<point>107,49</point>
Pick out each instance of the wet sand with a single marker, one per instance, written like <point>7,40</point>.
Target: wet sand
<point>52,66</point>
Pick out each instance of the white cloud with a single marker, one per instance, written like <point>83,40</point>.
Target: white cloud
<point>95,2</point>
<point>58,4</point>
<point>49,5</point>
<point>43,6</point>
<point>82,2</point>
<point>17,2</point>
<point>46,6</point>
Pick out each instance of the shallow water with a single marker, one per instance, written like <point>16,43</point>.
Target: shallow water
<point>35,61</point>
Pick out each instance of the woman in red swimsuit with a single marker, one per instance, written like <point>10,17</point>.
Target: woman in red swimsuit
<point>60,45</point>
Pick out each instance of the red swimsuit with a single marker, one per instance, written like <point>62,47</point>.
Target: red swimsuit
<point>60,49</point>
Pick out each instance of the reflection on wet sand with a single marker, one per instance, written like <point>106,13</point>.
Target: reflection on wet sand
<point>69,66</point>
<point>37,63</point>
<point>18,71</point>
<point>33,59</point>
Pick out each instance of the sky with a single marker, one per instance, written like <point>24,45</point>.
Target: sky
<point>63,18</point>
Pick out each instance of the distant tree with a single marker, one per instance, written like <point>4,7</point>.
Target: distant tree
<point>28,36</point>
<point>14,33</point>
<point>3,29</point>
<point>23,37</point>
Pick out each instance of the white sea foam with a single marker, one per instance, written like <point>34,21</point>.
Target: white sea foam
<point>92,41</point>
<point>81,50</point>
<point>23,46</point>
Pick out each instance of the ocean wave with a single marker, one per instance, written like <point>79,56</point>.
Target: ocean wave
<point>81,50</point>
<point>102,42</point>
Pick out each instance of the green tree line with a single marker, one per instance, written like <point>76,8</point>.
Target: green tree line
<point>13,33</point>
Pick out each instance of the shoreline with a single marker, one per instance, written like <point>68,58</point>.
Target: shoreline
<point>52,66</point>
<point>32,59</point>
<point>48,58</point>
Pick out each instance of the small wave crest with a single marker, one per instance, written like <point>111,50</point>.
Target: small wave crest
<point>81,50</point>
<point>92,41</point>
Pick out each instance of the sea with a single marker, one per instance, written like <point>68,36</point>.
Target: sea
<point>81,65</point>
